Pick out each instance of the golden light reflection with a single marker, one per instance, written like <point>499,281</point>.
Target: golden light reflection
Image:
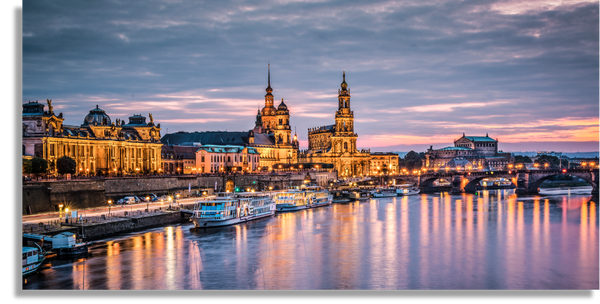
<point>113,265</point>
<point>170,260</point>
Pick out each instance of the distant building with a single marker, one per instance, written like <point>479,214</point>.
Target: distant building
<point>99,144</point>
<point>475,152</point>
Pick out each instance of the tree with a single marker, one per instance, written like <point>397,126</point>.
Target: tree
<point>27,166</point>
<point>66,165</point>
<point>412,161</point>
<point>522,160</point>
<point>552,161</point>
<point>39,165</point>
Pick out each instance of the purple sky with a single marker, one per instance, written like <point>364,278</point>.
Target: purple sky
<point>420,73</point>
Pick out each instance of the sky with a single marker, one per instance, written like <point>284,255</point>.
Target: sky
<point>420,73</point>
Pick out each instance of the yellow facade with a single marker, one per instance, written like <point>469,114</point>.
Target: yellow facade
<point>97,146</point>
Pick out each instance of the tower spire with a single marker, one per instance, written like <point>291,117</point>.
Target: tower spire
<point>269,77</point>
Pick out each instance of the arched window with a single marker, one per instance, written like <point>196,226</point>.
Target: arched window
<point>229,158</point>
<point>345,146</point>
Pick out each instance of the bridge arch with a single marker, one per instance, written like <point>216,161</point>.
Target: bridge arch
<point>587,176</point>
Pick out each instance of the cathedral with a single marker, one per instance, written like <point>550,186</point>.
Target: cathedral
<point>336,144</point>
<point>271,135</point>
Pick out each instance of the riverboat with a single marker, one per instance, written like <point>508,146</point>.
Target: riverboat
<point>231,210</point>
<point>384,192</point>
<point>402,190</point>
<point>359,195</point>
<point>299,199</point>
<point>32,259</point>
<point>65,244</point>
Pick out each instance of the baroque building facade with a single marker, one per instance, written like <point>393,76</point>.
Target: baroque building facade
<point>97,145</point>
<point>336,144</point>
<point>476,152</point>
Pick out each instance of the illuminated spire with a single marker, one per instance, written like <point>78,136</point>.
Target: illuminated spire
<point>269,89</point>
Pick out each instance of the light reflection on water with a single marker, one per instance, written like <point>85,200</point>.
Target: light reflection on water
<point>431,241</point>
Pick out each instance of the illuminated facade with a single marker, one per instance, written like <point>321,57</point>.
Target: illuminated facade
<point>384,163</point>
<point>272,134</point>
<point>97,146</point>
<point>477,152</point>
<point>336,144</point>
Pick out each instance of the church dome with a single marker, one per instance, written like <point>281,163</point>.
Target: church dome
<point>282,106</point>
<point>98,117</point>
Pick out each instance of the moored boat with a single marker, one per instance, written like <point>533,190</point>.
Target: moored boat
<point>65,244</point>
<point>384,192</point>
<point>32,259</point>
<point>402,190</point>
<point>299,199</point>
<point>224,211</point>
<point>359,195</point>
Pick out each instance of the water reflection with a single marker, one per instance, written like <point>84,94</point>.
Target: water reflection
<point>495,240</point>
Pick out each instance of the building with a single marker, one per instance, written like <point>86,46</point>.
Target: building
<point>98,145</point>
<point>384,163</point>
<point>474,152</point>
<point>271,135</point>
<point>195,158</point>
<point>336,144</point>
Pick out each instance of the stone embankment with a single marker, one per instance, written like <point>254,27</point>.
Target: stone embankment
<point>91,228</point>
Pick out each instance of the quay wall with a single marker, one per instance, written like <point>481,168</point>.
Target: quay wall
<point>126,224</point>
<point>46,196</point>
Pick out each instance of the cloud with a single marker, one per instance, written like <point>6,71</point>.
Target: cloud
<point>424,70</point>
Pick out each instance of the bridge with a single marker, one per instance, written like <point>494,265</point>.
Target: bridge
<point>526,181</point>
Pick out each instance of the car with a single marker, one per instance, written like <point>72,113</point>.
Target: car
<point>137,199</point>
<point>130,200</point>
<point>120,201</point>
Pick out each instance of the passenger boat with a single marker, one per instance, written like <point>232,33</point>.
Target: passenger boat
<point>32,259</point>
<point>384,192</point>
<point>299,199</point>
<point>407,189</point>
<point>231,210</point>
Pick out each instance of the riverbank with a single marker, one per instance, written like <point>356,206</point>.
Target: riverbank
<point>96,227</point>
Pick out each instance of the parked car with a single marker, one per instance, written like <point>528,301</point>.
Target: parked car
<point>137,199</point>
<point>130,200</point>
<point>120,201</point>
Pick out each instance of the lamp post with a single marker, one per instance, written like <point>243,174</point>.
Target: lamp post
<point>147,203</point>
<point>109,204</point>
<point>546,166</point>
<point>170,202</point>
<point>137,171</point>
<point>115,171</point>
<point>87,172</point>
<point>177,201</point>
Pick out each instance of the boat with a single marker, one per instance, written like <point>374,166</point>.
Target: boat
<point>384,192</point>
<point>32,259</point>
<point>64,244</point>
<point>402,190</point>
<point>231,210</point>
<point>299,199</point>
<point>359,195</point>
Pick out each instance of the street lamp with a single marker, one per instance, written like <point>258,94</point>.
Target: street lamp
<point>109,203</point>
<point>177,201</point>
<point>88,171</point>
<point>546,165</point>
<point>147,203</point>
<point>170,202</point>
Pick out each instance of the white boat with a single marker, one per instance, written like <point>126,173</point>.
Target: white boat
<point>224,211</point>
<point>64,244</point>
<point>299,199</point>
<point>384,192</point>
<point>403,190</point>
<point>32,259</point>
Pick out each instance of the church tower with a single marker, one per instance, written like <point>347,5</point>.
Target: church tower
<point>283,132</point>
<point>268,112</point>
<point>344,138</point>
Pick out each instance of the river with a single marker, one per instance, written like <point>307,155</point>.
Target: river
<point>495,240</point>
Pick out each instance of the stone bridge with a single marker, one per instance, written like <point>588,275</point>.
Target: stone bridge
<point>526,181</point>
